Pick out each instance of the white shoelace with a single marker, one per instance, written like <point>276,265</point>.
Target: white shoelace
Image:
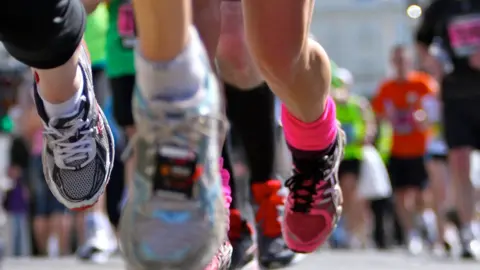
<point>163,131</point>
<point>67,151</point>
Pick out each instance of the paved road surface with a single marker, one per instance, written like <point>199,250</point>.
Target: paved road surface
<point>325,260</point>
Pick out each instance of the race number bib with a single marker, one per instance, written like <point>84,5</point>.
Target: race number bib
<point>126,25</point>
<point>403,123</point>
<point>464,34</point>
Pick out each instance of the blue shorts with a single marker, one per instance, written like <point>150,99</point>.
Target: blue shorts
<point>45,203</point>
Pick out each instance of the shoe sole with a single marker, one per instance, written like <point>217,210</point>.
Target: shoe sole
<point>283,263</point>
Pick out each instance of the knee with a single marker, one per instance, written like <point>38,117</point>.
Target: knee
<point>284,62</point>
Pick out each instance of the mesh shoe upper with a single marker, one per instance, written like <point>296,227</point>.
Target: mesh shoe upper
<point>314,203</point>
<point>78,149</point>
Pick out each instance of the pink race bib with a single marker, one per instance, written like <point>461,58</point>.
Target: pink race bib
<point>464,34</point>
<point>126,25</point>
<point>403,123</point>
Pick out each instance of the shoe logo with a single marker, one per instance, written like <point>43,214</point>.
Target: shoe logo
<point>99,123</point>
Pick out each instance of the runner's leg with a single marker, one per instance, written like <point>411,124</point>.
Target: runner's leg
<point>47,36</point>
<point>298,71</point>
<point>206,17</point>
<point>176,108</point>
<point>243,84</point>
<point>438,176</point>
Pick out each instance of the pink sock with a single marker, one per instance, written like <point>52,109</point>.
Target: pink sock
<point>227,191</point>
<point>315,136</point>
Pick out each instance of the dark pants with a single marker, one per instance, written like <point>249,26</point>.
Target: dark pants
<point>386,228</point>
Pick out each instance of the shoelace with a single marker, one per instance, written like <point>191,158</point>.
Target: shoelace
<point>164,131</point>
<point>304,186</point>
<point>69,151</point>
<point>222,257</point>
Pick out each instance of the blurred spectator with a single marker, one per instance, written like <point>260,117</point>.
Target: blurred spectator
<point>358,122</point>
<point>16,202</point>
<point>399,101</point>
<point>50,217</point>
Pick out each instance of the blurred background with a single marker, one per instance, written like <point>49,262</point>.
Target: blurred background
<point>359,35</point>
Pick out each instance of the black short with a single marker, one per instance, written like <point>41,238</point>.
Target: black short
<point>349,166</point>
<point>42,34</point>
<point>437,157</point>
<point>407,172</point>
<point>122,92</point>
<point>462,122</point>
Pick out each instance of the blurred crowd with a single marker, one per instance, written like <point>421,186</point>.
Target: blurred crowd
<point>395,177</point>
<point>417,175</point>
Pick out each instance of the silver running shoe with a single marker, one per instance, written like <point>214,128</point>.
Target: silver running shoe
<point>175,216</point>
<point>78,149</point>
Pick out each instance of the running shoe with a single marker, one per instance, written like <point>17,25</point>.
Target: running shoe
<point>241,237</point>
<point>175,216</point>
<point>470,244</point>
<point>101,242</point>
<point>269,200</point>
<point>415,243</point>
<point>314,204</point>
<point>222,259</point>
<point>78,149</point>
<point>441,249</point>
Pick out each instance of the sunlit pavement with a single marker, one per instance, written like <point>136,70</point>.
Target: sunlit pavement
<point>324,260</point>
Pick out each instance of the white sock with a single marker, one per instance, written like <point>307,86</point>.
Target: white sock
<point>177,79</point>
<point>99,219</point>
<point>68,107</point>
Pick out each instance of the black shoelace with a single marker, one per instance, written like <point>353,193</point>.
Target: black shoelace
<point>306,176</point>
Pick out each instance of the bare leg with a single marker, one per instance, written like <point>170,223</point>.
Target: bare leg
<point>59,84</point>
<point>298,71</point>
<point>296,67</point>
<point>438,175</point>
<point>41,233</point>
<point>353,208</point>
<point>206,17</point>
<point>173,83</point>
<point>163,27</point>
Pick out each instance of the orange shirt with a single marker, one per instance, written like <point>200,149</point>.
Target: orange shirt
<point>399,102</point>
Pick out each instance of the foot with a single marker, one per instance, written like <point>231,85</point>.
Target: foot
<point>101,242</point>
<point>78,149</point>
<point>415,243</point>
<point>241,237</point>
<point>175,216</point>
<point>314,204</point>
<point>470,245</point>
<point>441,249</point>
<point>222,259</point>
<point>269,200</point>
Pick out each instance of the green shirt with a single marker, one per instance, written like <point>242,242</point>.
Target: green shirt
<point>384,140</point>
<point>95,34</point>
<point>351,116</point>
<point>119,57</point>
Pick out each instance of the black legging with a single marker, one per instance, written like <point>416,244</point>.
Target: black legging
<point>252,116</point>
